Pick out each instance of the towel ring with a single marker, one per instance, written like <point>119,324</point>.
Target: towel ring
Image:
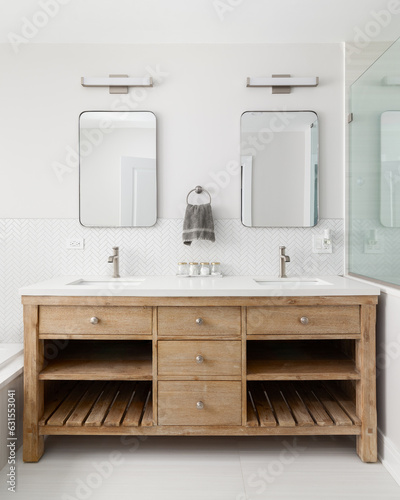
<point>198,190</point>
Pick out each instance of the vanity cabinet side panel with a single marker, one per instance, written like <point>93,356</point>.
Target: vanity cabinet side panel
<point>244,365</point>
<point>33,444</point>
<point>154,391</point>
<point>366,386</point>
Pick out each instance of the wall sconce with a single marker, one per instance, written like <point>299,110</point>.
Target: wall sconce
<point>117,84</point>
<point>282,84</point>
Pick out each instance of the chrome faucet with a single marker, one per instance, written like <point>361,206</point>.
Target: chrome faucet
<point>114,258</point>
<point>282,262</point>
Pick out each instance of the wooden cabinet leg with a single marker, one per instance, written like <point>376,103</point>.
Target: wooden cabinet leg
<point>366,387</point>
<point>33,443</point>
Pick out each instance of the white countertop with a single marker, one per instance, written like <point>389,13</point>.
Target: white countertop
<point>174,286</point>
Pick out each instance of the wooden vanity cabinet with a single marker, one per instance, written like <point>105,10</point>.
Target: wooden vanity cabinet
<point>200,366</point>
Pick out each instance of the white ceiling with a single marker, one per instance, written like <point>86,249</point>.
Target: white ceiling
<point>201,21</point>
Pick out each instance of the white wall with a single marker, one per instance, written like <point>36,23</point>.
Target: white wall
<point>198,104</point>
<point>388,376</point>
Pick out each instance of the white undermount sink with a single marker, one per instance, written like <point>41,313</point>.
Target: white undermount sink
<point>291,282</point>
<point>109,282</point>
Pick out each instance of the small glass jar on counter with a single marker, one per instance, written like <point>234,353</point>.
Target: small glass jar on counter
<point>215,268</point>
<point>205,269</point>
<point>194,269</point>
<point>183,269</point>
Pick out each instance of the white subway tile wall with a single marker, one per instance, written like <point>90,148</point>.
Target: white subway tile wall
<point>33,250</point>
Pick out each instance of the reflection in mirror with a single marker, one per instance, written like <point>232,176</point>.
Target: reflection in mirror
<point>390,169</point>
<point>279,158</point>
<point>117,169</point>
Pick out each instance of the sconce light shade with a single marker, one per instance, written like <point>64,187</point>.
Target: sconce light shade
<point>118,84</point>
<point>281,84</point>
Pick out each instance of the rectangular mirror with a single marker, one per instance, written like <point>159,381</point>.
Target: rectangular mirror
<point>279,158</point>
<point>117,169</point>
<point>390,169</point>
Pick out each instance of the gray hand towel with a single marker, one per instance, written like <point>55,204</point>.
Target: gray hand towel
<point>198,223</point>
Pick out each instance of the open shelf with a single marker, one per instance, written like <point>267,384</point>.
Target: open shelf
<point>300,404</point>
<point>98,404</point>
<point>299,360</point>
<point>101,360</point>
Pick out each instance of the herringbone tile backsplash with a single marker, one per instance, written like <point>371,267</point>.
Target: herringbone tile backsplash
<point>34,250</point>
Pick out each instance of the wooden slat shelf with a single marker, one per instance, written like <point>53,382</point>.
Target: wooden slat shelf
<point>307,360</point>
<point>299,405</point>
<point>101,360</point>
<point>100,405</point>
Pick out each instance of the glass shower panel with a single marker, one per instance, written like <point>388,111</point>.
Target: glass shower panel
<point>390,168</point>
<point>374,171</point>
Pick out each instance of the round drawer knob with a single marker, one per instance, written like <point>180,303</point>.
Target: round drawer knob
<point>199,405</point>
<point>304,320</point>
<point>199,358</point>
<point>199,321</point>
<point>94,320</point>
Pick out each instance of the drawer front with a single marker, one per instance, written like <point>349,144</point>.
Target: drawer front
<point>199,358</point>
<point>199,403</point>
<point>199,321</point>
<point>303,319</point>
<point>110,320</point>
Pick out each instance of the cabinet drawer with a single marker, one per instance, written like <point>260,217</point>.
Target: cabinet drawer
<point>199,358</point>
<point>199,321</point>
<point>110,320</point>
<point>199,403</point>
<point>303,319</point>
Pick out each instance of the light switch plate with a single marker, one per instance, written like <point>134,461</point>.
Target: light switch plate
<point>318,245</point>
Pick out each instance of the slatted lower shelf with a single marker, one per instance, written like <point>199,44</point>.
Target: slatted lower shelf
<point>98,404</point>
<point>299,404</point>
<point>284,407</point>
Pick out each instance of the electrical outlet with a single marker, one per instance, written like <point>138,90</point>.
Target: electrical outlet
<point>318,245</point>
<point>75,243</point>
<point>373,247</point>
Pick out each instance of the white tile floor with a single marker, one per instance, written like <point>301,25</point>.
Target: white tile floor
<point>194,468</point>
